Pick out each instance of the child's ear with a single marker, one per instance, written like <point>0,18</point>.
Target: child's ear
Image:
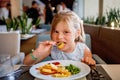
<point>77,33</point>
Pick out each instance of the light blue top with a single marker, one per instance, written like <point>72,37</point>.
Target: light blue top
<point>76,55</point>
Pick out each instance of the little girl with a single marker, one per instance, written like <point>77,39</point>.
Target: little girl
<point>67,28</point>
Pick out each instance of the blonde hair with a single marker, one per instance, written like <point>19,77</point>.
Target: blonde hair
<point>71,19</point>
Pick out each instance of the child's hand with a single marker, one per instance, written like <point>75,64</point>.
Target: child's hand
<point>88,60</point>
<point>44,47</point>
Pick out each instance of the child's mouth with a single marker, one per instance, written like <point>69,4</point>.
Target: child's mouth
<point>60,45</point>
<point>61,42</point>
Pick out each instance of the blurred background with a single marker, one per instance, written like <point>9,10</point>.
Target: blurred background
<point>84,8</point>
<point>101,21</point>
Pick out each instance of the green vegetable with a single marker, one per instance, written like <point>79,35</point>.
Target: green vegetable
<point>73,69</point>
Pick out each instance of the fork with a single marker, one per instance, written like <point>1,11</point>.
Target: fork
<point>96,75</point>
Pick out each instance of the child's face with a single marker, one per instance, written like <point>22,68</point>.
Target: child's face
<point>65,34</point>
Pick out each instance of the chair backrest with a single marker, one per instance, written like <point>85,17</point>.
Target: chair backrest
<point>9,43</point>
<point>88,40</point>
<point>42,37</point>
<point>45,26</point>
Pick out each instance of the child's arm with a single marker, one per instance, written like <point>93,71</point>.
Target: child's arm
<point>88,57</point>
<point>40,53</point>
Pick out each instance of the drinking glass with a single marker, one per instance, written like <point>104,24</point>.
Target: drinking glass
<point>6,66</point>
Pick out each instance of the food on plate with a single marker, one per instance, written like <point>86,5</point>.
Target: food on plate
<point>48,69</point>
<point>60,45</point>
<point>55,69</point>
<point>73,69</point>
<point>56,63</point>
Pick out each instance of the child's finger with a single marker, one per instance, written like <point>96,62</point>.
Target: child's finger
<point>51,42</point>
<point>82,60</point>
<point>86,60</point>
<point>93,62</point>
<point>48,42</point>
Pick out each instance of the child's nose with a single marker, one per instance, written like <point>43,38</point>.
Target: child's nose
<point>60,36</point>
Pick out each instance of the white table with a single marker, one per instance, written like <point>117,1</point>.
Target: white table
<point>113,70</point>
<point>32,33</point>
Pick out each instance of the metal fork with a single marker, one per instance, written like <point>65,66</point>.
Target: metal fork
<point>95,75</point>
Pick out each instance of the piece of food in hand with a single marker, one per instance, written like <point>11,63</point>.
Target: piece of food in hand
<point>60,45</point>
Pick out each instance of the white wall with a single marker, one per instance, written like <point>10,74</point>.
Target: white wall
<point>78,8</point>
<point>108,4</point>
<point>91,8</point>
<point>16,8</point>
<point>86,8</point>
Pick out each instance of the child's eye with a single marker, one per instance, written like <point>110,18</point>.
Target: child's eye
<point>55,31</point>
<point>66,32</point>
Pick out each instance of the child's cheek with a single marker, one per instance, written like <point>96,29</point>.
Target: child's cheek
<point>53,37</point>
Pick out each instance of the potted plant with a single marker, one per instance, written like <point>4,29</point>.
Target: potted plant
<point>89,20</point>
<point>113,16</point>
<point>100,20</point>
<point>11,24</point>
<point>25,24</point>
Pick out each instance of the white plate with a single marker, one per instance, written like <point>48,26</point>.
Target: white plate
<point>84,70</point>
